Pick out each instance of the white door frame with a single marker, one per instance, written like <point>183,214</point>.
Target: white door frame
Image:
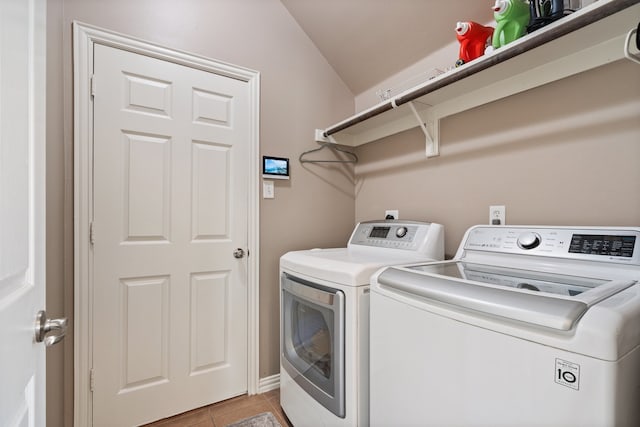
<point>84,38</point>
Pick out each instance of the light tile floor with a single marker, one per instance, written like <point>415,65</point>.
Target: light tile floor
<point>228,411</point>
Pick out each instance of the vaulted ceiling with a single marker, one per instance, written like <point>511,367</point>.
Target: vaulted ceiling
<point>367,41</point>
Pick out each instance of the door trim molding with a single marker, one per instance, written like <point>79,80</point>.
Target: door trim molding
<point>84,38</point>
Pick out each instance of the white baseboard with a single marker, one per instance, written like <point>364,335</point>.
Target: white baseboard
<point>268,383</point>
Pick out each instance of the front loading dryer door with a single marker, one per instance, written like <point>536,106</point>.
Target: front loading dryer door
<point>313,340</point>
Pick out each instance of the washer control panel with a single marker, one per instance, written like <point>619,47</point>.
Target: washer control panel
<point>607,243</point>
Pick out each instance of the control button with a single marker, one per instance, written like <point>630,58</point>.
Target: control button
<point>528,287</point>
<point>401,232</point>
<point>529,240</point>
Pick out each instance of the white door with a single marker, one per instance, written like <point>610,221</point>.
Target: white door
<point>22,218</point>
<point>171,145</point>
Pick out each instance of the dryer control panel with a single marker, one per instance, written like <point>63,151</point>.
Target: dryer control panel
<point>594,244</point>
<point>394,234</point>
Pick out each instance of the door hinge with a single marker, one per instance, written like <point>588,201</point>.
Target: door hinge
<point>91,234</point>
<point>92,382</point>
<point>93,85</point>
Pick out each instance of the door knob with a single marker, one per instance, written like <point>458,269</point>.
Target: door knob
<point>238,253</point>
<point>44,326</point>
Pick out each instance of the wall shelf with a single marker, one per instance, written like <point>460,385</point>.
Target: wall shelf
<point>586,39</point>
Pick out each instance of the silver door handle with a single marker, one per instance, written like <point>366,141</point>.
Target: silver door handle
<point>238,253</point>
<point>44,326</point>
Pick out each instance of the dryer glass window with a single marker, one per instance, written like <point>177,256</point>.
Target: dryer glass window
<point>312,338</point>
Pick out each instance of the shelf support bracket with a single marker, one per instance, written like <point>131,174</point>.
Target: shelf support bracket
<point>634,33</point>
<point>432,147</point>
<point>321,137</point>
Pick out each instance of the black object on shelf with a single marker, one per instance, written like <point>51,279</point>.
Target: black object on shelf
<point>544,12</point>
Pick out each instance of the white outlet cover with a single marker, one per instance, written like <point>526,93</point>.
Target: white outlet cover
<point>394,213</point>
<point>497,215</point>
<point>268,191</point>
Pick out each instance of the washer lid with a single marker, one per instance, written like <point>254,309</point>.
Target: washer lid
<point>545,299</point>
<point>531,280</point>
<point>346,266</point>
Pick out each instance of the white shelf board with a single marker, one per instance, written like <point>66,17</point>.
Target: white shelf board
<point>529,64</point>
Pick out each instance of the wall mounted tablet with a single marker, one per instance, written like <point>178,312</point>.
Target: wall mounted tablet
<point>275,167</point>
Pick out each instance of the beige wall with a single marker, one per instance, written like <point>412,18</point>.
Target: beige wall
<point>567,153</point>
<point>59,290</point>
<point>299,92</point>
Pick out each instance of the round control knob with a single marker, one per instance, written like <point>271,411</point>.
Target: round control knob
<point>529,240</point>
<point>401,232</point>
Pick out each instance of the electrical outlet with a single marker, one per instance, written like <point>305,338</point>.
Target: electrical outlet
<point>268,191</point>
<point>497,215</point>
<point>392,214</point>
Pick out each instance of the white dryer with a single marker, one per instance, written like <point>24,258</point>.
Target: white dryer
<point>324,327</point>
<point>526,326</point>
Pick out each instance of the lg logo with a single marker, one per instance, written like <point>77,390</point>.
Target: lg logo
<point>567,374</point>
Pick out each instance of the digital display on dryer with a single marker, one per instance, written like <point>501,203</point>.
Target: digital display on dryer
<point>592,244</point>
<point>379,232</point>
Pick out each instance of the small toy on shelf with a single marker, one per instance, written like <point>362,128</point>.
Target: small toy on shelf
<point>512,17</point>
<point>473,38</point>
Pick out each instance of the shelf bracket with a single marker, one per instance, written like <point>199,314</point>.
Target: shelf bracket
<point>633,34</point>
<point>432,147</point>
<point>321,137</point>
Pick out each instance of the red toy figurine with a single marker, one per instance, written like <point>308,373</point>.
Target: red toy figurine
<point>473,39</point>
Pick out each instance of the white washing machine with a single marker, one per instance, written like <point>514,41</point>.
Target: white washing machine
<point>526,326</point>
<point>324,327</point>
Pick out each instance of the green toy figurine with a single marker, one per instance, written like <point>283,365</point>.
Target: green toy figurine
<point>512,17</point>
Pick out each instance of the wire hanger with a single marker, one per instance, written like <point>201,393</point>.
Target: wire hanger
<point>353,157</point>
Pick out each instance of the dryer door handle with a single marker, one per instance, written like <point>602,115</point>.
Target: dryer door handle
<point>308,293</point>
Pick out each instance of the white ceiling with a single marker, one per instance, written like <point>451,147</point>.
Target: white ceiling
<point>367,41</point>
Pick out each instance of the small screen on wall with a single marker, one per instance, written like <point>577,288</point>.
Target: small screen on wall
<point>275,167</point>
